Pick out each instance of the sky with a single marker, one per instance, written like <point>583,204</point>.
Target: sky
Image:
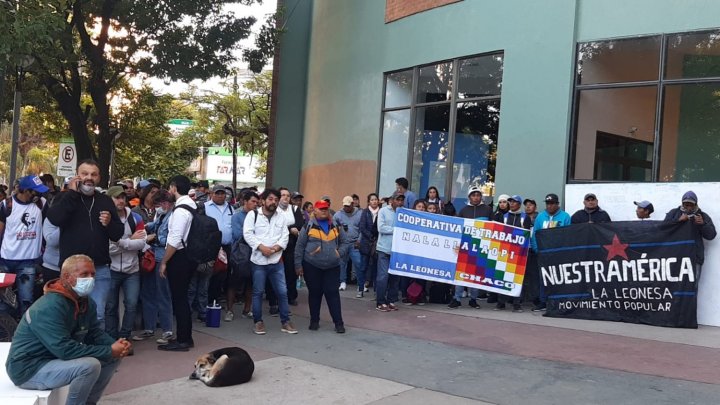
<point>260,12</point>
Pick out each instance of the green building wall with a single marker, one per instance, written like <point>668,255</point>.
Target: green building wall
<point>330,101</point>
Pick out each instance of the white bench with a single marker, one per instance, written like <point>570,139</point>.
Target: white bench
<point>12,395</point>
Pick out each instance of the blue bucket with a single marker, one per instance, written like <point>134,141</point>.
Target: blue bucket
<point>212,316</point>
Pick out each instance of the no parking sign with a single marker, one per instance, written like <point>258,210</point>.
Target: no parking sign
<point>67,158</point>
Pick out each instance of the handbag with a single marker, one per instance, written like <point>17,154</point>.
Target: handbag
<point>147,261</point>
<point>221,263</point>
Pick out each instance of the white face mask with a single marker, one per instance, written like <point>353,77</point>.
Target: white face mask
<point>160,211</point>
<point>84,286</point>
<point>87,190</point>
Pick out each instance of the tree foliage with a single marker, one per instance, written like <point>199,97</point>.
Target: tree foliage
<point>88,47</point>
<point>242,114</point>
<point>146,147</point>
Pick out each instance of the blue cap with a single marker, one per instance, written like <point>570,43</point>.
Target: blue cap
<point>689,197</point>
<point>516,198</point>
<point>32,182</point>
<point>143,183</point>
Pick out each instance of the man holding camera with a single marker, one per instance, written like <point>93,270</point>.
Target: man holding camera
<point>701,222</point>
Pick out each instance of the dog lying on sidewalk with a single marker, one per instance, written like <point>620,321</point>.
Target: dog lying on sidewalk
<point>223,367</point>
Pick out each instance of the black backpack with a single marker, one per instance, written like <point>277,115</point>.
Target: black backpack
<point>440,293</point>
<point>204,240</point>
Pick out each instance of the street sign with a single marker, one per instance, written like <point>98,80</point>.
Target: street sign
<point>67,158</point>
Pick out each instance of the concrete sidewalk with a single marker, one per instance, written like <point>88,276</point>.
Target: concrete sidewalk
<point>430,354</point>
<point>286,380</point>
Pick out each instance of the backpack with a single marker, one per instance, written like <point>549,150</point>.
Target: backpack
<point>440,293</point>
<point>415,292</point>
<point>204,240</point>
<point>240,256</point>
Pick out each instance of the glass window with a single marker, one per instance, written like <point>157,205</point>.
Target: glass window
<point>396,135</point>
<point>430,150</point>
<point>416,139</point>
<point>615,134</point>
<point>475,149</point>
<point>480,76</point>
<point>690,149</point>
<point>398,89</point>
<point>693,55</point>
<point>435,83</point>
<point>622,60</point>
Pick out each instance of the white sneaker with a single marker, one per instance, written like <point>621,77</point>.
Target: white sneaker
<point>359,294</point>
<point>229,316</point>
<point>343,286</point>
<point>165,338</point>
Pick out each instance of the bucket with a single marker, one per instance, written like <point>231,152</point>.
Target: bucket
<point>212,316</point>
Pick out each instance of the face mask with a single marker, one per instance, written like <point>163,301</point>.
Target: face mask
<point>87,190</point>
<point>283,204</point>
<point>84,286</point>
<point>160,211</point>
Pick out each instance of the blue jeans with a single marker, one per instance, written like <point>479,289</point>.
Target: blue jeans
<point>369,266</point>
<point>386,284</point>
<point>155,297</point>
<point>276,274</point>
<point>87,377</point>
<point>198,293</point>
<point>100,293</point>
<point>130,284</point>
<point>473,292</point>
<point>354,255</point>
<point>24,281</point>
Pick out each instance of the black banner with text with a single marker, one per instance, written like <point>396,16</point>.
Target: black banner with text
<point>635,271</point>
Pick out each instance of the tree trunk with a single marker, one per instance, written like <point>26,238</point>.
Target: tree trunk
<point>73,113</point>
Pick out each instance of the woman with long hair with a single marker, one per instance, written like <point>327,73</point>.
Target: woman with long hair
<point>433,196</point>
<point>368,238</point>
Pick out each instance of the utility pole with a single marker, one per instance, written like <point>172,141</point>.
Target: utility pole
<point>235,142</point>
<point>15,126</point>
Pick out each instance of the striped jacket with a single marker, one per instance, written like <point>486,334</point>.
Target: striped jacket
<point>320,249</point>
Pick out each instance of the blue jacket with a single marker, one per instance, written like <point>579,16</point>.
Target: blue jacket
<point>160,228</point>
<point>545,221</point>
<point>236,224</point>
<point>386,224</point>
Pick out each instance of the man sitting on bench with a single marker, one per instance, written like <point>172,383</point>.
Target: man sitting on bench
<point>58,341</point>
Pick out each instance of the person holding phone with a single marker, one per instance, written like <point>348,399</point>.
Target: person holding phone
<point>88,221</point>
<point>701,222</point>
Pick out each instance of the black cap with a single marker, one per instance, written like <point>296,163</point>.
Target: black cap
<point>529,200</point>
<point>590,195</point>
<point>552,198</point>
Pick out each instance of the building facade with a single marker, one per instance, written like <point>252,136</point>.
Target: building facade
<point>524,97</point>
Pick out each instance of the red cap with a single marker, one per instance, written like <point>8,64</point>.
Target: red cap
<point>322,205</point>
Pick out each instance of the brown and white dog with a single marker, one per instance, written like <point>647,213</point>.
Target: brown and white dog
<point>223,367</point>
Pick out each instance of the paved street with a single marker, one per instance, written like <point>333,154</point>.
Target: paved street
<point>431,355</point>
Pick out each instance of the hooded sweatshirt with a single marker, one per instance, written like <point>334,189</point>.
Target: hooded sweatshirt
<point>124,253</point>
<point>545,221</point>
<point>350,223</point>
<point>320,248</point>
<point>480,211</point>
<point>59,325</point>
<point>584,216</point>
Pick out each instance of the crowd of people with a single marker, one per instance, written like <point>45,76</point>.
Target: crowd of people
<point>88,245</point>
